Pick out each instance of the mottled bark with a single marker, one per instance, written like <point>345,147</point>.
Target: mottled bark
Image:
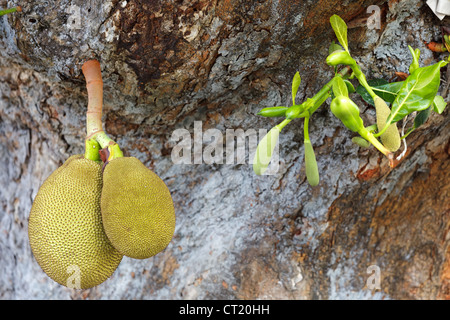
<point>167,64</point>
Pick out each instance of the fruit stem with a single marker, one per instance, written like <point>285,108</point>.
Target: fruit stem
<point>94,85</point>
<point>94,128</point>
<point>362,80</point>
<point>92,148</point>
<point>370,137</point>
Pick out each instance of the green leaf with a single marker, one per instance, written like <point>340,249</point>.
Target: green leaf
<point>422,117</point>
<point>339,87</point>
<point>439,104</point>
<point>419,120</point>
<point>334,47</point>
<point>388,92</point>
<point>383,89</point>
<point>279,111</point>
<point>340,29</point>
<point>295,84</point>
<point>350,87</point>
<point>377,82</point>
<point>417,92</point>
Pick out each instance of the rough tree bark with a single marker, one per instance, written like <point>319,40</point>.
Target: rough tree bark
<point>167,64</point>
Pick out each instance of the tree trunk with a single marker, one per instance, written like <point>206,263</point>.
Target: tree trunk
<point>367,231</point>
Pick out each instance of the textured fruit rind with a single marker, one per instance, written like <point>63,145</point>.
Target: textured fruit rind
<point>65,227</point>
<point>137,209</point>
<point>391,137</point>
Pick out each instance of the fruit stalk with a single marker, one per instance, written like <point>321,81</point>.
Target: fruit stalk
<point>94,85</point>
<point>94,128</point>
<point>362,80</point>
<point>363,132</point>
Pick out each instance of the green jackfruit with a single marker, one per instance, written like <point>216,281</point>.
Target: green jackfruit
<point>391,137</point>
<point>137,209</point>
<point>312,171</point>
<point>65,226</point>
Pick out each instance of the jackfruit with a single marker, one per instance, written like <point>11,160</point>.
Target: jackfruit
<point>65,226</point>
<point>137,209</point>
<point>391,137</point>
<point>312,170</point>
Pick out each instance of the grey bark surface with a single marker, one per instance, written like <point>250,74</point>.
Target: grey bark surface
<point>167,64</point>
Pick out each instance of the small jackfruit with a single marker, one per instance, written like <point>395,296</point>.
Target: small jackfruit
<point>65,226</point>
<point>312,170</point>
<point>137,209</point>
<point>391,137</point>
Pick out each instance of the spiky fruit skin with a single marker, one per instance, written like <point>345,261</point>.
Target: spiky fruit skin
<point>65,226</point>
<point>391,137</point>
<point>137,209</point>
